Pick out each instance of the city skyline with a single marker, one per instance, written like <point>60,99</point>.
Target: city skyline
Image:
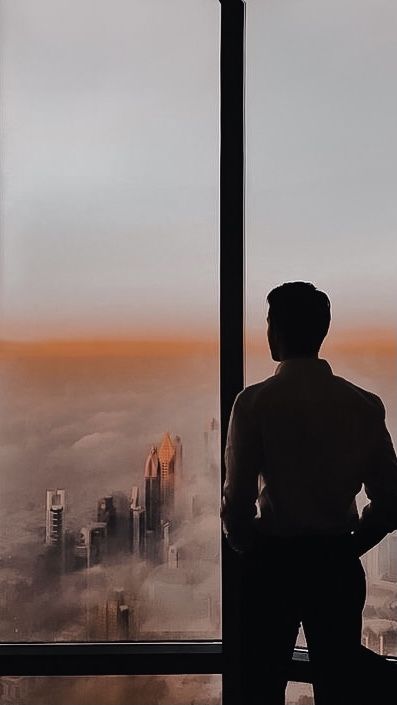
<point>116,548</point>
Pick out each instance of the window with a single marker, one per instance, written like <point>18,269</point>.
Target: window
<point>106,166</point>
<point>321,155</point>
<point>109,371</point>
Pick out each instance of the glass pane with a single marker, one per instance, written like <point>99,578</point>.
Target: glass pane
<point>321,176</point>
<point>109,315</point>
<point>107,690</point>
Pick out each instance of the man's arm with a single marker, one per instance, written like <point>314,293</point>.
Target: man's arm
<point>379,516</point>
<point>240,490</point>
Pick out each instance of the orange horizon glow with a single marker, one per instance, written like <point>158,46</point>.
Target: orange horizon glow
<point>375,340</point>
<point>107,347</point>
<point>379,341</point>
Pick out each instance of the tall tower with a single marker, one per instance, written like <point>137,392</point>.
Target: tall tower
<point>106,512</point>
<point>178,458</point>
<point>152,492</point>
<point>165,535</point>
<point>212,448</point>
<point>179,488</point>
<point>117,616</point>
<point>55,517</point>
<point>137,524</point>
<point>110,619</point>
<point>167,457</point>
<point>91,545</point>
<point>393,557</point>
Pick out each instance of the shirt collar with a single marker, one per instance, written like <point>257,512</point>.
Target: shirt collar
<point>304,365</point>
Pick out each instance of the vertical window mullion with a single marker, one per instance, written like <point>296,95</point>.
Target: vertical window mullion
<point>231,292</point>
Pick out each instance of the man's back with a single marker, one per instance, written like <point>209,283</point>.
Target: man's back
<point>315,438</point>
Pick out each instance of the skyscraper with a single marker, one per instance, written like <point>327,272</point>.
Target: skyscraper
<point>387,558</point>
<point>110,620</point>
<point>178,458</point>
<point>91,546</point>
<point>393,557</point>
<point>137,524</point>
<point>55,517</point>
<point>106,512</point>
<point>165,535</point>
<point>152,492</point>
<point>117,616</point>
<point>212,448</point>
<point>167,458</point>
<point>180,498</point>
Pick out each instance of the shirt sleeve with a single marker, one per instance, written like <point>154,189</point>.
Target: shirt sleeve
<point>243,459</point>
<point>380,481</point>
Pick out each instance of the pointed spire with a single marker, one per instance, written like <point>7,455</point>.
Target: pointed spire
<point>166,450</point>
<point>152,463</point>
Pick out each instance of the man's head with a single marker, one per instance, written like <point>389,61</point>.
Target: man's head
<point>299,317</point>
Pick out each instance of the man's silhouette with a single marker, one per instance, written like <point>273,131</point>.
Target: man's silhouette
<point>312,439</point>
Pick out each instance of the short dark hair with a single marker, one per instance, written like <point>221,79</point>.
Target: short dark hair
<point>301,315</point>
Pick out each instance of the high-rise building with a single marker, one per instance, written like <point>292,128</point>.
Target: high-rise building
<point>91,546</point>
<point>119,543</point>
<point>106,513</point>
<point>110,621</point>
<point>152,546</point>
<point>167,458</point>
<point>137,524</point>
<point>55,517</point>
<point>69,543</point>
<point>117,611</point>
<point>381,551</point>
<point>152,492</point>
<point>212,447</point>
<point>393,557</point>
<point>180,496</point>
<point>178,458</point>
<point>386,552</point>
<point>165,535</point>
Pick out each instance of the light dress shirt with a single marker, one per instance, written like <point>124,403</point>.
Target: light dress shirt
<point>300,446</point>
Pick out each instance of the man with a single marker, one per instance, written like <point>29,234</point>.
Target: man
<point>312,439</point>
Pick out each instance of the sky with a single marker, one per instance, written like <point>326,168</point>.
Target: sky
<point>322,154</point>
<point>110,151</point>
<point>110,162</point>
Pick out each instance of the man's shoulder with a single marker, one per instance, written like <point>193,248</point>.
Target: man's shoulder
<point>254,392</point>
<point>358,394</point>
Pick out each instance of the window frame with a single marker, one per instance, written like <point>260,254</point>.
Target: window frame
<point>201,656</point>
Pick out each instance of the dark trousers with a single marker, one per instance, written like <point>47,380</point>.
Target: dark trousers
<point>320,583</point>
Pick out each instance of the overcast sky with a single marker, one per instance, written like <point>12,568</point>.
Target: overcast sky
<point>110,158</point>
<point>322,153</point>
<point>110,162</point>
